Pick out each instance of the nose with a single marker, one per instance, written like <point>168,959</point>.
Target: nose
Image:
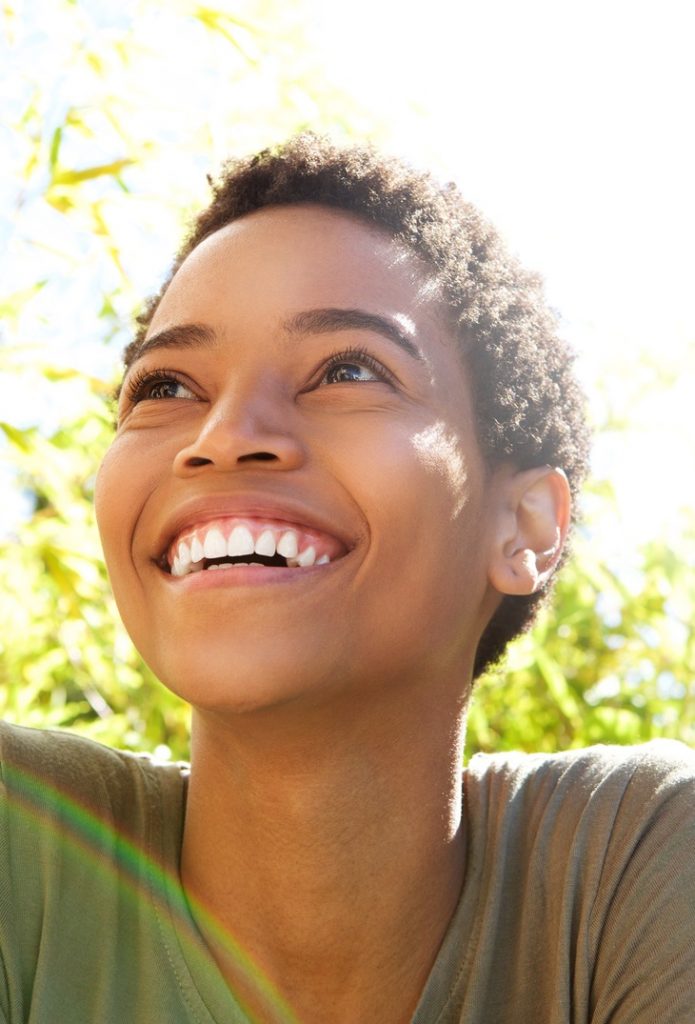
<point>237,430</point>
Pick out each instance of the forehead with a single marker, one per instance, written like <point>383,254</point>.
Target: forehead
<point>299,257</point>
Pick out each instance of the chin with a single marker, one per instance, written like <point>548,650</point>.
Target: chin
<point>241,685</point>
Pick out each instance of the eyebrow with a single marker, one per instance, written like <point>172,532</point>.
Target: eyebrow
<point>310,321</point>
<point>180,336</point>
<point>323,321</point>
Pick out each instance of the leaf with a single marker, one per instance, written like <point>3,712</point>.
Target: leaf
<point>96,63</point>
<point>11,304</point>
<point>65,578</point>
<point>60,201</point>
<point>57,374</point>
<point>55,148</point>
<point>75,177</point>
<point>21,439</point>
<point>558,687</point>
<point>212,20</point>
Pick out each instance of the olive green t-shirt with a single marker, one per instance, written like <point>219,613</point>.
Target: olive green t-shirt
<point>578,902</point>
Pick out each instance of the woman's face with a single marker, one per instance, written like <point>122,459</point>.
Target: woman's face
<point>298,390</point>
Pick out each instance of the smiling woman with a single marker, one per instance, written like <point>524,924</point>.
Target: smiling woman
<point>323,437</point>
<point>348,439</point>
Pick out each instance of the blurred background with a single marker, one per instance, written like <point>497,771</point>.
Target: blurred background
<point>569,125</point>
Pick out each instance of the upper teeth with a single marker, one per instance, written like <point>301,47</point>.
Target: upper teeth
<point>240,543</point>
<point>265,545</point>
<point>209,543</point>
<point>215,545</point>
<point>288,544</point>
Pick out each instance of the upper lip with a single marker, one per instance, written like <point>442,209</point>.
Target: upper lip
<point>201,509</point>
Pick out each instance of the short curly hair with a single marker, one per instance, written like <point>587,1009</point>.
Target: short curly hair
<point>530,409</point>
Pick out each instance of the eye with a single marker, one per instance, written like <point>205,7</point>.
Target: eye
<point>156,385</point>
<point>354,367</point>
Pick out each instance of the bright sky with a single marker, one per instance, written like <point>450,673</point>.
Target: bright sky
<point>569,124</point>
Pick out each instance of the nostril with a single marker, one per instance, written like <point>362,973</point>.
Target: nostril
<point>197,460</point>
<point>257,456</point>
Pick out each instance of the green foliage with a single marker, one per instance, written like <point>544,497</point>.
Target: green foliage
<point>65,660</point>
<point>116,115</point>
<point>609,661</point>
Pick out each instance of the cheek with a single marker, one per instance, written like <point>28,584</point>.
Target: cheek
<point>422,493</point>
<point>440,455</point>
<point>123,482</point>
<point>111,502</point>
<point>106,504</point>
<point>420,488</point>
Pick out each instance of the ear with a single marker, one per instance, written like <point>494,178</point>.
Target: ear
<point>532,522</point>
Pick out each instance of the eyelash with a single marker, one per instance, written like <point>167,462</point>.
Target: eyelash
<point>142,379</point>
<point>358,355</point>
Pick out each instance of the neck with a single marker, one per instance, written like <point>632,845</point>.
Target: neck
<point>330,847</point>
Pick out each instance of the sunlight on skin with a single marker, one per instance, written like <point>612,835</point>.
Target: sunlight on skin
<point>83,832</point>
<point>440,453</point>
<point>405,322</point>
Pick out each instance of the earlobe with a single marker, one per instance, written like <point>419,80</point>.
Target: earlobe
<point>531,527</point>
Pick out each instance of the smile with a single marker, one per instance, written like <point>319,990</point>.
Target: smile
<point>233,541</point>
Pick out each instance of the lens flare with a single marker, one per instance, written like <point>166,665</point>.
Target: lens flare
<point>147,885</point>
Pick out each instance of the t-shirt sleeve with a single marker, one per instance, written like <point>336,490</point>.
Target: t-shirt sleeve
<point>644,913</point>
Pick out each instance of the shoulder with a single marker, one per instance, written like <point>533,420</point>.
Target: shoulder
<point>83,830</point>
<point>599,802</point>
<point>50,748</point>
<point>591,852</point>
<point>656,769</point>
<point>58,772</point>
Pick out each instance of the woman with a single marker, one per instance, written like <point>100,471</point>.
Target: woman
<point>348,440</point>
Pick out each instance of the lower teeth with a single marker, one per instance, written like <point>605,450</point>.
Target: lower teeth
<point>291,563</point>
<point>232,565</point>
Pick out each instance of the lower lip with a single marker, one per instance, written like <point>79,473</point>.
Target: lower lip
<point>245,576</point>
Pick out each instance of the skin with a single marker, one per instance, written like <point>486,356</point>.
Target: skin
<point>324,819</point>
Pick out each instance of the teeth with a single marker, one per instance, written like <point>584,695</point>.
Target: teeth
<point>189,554</point>
<point>307,557</point>
<point>240,542</point>
<point>287,545</point>
<point>265,545</point>
<point>215,545</point>
<point>183,555</point>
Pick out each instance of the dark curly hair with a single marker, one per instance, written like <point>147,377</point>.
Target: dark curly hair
<point>530,409</point>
